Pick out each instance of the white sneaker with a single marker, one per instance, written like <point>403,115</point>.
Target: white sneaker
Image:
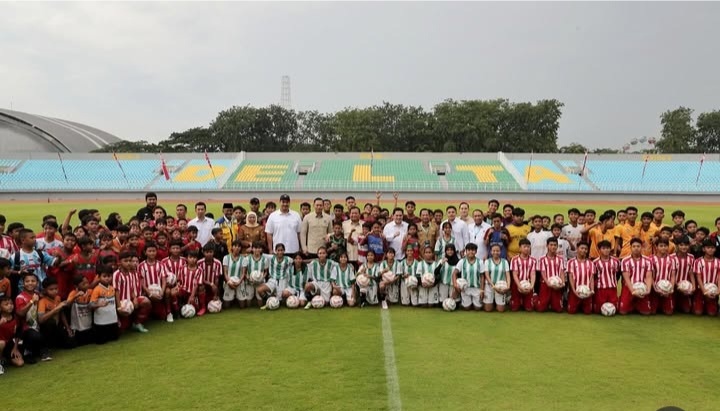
<point>384,305</point>
<point>169,318</point>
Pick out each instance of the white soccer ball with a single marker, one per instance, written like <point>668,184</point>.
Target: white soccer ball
<point>336,301</point>
<point>583,291</point>
<point>428,280</point>
<point>187,311</point>
<point>318,302</point>
<point>411,281</point>
<point>554,282</point>
<point>362,280</point>
<point>449,304</point>
<point>462,284</point>
<point>126,306</point>
<point>234,281</point>
<point>640,288</point>
<point>524,285</point>
<point>685,286</point>
<point>155,290</point>
<point>292,302</point>
<point>711,290</point>
<point>256,277</point>
<point>215,306</point>
<point>170,279</point>
<point>608,309</point>
<point>665,286</point>
<point>272,303</point>
<point>388,276</point>
<point>501,286</point>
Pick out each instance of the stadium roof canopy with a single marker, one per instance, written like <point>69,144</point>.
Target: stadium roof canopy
<point>34,133</point>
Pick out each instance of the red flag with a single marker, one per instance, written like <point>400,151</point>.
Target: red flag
<point>121,167</point>
<point>702,160</point>
<point>207,158</point>
<point>582,172</point>
<point>165,170</point>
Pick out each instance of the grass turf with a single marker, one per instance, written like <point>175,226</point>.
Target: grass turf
<point>30,213</point>
<point>333,359</point>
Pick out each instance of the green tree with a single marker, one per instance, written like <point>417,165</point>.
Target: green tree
<point>573,148</point>
<point>678,132</point>
<point>707,136</point>
<point>605,151</point>
<point>125,146</point>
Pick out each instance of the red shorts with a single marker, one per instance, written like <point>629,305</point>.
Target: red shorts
<point>519,299</point>
<point>549,296</point>
<point>683,302</point>
<point>704,305</point>
<point>575,304</point>
<point>630,303</point>
<point>666,304</point>
<point>184,298</point>
<point>604,295</point>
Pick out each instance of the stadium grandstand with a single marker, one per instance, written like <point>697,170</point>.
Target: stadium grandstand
<point>23,132</point>
<point>362,172</point>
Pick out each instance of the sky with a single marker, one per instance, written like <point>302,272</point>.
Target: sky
<point>145,70</point>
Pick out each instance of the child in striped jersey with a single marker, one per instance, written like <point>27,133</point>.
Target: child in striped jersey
<point>278,272</point>
<point>444,273</point>
<point>581,271</point>
<point>236,289</point>
<point>408,268</point>
<point>256,262</point>
<point>343,278</point>
<point>189,278</point>
<point>664,268</point>
<point>368,295</point>
<point>152,273</point>
<point>471,269</point>
<point>684,262</point>
<point>427,296</point>
<point>445,238</point>
<point>298,284</point>
<point>320,274</point>
<point>496,269</point>
<point>389,290</point>
<point>212,270</point>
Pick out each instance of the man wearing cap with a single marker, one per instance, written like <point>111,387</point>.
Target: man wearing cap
<point>227,225</point>
<point>283,227</point>
<point>315,229</point>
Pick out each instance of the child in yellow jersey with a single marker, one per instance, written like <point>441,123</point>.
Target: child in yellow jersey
<point>517,230</point>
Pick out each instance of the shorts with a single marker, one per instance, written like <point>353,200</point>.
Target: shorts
<point>325,289</point>
<point>407,296</point>
<point>348,293</point>
<point>392,292</point>
<point>274,285</point>
<point>428,295</point>
<point>444,291</point>
<point>371,293</point>
<point>492,296</point>
<point>470,296</point>
<point>300,294</point>
<point>240,293</point>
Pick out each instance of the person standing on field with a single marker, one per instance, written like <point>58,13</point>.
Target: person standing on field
<point>314,230</point>
<point>283,227</point>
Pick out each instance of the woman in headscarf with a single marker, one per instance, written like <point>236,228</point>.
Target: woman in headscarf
<point>250,232</point>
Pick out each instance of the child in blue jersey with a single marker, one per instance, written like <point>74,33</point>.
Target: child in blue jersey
<point>498,234</point>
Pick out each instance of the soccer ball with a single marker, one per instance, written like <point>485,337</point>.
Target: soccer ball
<point>362,280</point>
<point>501,286</point>
<point>292,302</point>
<point>684,286</point>
<point>126,306</point>
<point>187,311</point>
<point>524,285</point>
<point>256,277</point>
<point>170,279</point>
<point>462,284</point>
<point>318,302</point>
<point>215,306</point>
<point>583,291</point>
<point>336,301</point>
<point>411,281</point>
<point>711,290</point>
<point>665,286</point>
<point>273,303</point>
<point>155,290</point>
<point>449,304</point>
<point>640,288</point>
<point>607,309</point>
<point>388,276</point>
<point>428,280</point>
<point>554,282</point>
<point>234,281</point>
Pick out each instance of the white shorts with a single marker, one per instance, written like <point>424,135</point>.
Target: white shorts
<point>428,295</point>
<point>471,296</point>
<point>492,296</point>
<point>444,291</point>
<point>392,292</point>
<point>300,294</point>
<point>325,289</point>
<point>242,292</point>
<point>349,293</point>
<point>371,293</point>
<point>407,296</point>
<point>274,285</point>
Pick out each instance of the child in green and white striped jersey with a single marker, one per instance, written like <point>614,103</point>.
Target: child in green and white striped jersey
<point>389,290</point>
<point>408,268</point>
<point>236,289</point>
<point>472,270</point>
<point>427,296</point>
<point>320,274</point>
<point>445,280</point>
<point>445,238</point>
<point>297,280</point>
<point>369,294</point>
<point>256,261</point>
<point>343,278</point>
<point>496,269</point>
<point>278,273</point>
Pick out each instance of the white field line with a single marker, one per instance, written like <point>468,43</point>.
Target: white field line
<point>391,373</point>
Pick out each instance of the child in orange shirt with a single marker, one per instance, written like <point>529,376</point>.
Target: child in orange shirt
<point>53,323</point>
<point>103,304</point>
<point>81,318</point>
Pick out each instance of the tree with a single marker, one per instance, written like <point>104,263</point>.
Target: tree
<point>678,132</point>
<point>605,151</point>
<point>191,140</point>
<point>125,146</point>
<point>573,148</point>
<point>707,136</point>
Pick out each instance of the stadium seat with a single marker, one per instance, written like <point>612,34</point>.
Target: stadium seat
<point>195,175</point>
<point>545,175</point>
<point>660,176</point>
<point>382,175</point>
<point>263,175</point>
<point>480,175</point>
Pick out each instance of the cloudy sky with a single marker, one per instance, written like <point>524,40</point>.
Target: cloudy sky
<point>144,70</point>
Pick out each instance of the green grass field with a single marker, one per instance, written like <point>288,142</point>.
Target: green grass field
<point>333,360</point>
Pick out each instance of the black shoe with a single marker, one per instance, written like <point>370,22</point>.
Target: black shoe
<point>30,359</point>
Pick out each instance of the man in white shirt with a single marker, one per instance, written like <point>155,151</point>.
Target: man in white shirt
<point>204,225</point>
<point>395,232</point>
<point>459,228</point>
<point>477,231</point>
<point>283,226</point>
<point>538,238</point>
